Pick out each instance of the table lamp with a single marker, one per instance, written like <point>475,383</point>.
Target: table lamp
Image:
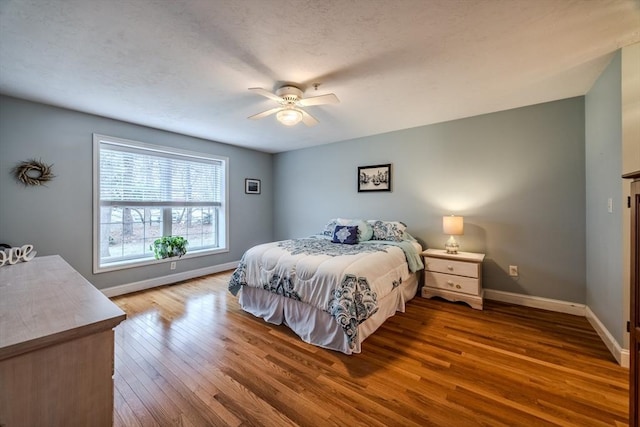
<point>453,226</point>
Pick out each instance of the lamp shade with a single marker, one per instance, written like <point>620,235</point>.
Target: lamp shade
<point>289,116</point>
<point>453,225</point>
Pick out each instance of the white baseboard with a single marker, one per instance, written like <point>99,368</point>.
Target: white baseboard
<point>624,358</point>
<point>536,302</point>
<point>166,280</point>
<point>620,354</point>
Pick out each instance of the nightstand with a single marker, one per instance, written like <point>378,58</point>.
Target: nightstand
<point>454,277</point>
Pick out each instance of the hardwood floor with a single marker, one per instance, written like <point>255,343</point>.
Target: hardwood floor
<point>188,355</point>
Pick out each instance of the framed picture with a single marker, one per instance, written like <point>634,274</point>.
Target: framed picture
<point>252,186</point>
<point>374,178</point>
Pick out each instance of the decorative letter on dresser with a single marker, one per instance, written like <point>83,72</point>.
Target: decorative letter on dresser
<point>455,277</point>
<point>56,346</point>
<point>634,324</point>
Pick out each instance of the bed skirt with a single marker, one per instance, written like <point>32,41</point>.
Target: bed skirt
<point>318,327</point>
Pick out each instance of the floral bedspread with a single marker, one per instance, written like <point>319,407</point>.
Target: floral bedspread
<point>344,280</point>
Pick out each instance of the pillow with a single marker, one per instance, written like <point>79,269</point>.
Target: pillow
<point>346,234</point>
<point>365,231</point>
<point>330,227</point>
<point>387,230</point>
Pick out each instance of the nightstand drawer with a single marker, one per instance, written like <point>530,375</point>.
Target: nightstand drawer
<point>459,268</point>
<point>467,285</point>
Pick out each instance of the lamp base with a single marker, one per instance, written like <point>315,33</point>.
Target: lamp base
<point>451,246</point>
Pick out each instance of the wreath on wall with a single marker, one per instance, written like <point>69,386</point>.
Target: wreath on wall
<point>33,172</point>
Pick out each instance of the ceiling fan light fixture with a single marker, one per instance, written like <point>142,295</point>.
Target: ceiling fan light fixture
<point>290,111</point>
<point>289,116</point>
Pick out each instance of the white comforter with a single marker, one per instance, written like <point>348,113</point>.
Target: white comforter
<point>344,280</point>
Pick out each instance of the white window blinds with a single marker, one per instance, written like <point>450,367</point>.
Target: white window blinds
<point>143,175</point>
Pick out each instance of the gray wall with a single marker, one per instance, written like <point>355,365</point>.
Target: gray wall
<point>517,177</point>
<point>57,219</point>
<point>603,152</point>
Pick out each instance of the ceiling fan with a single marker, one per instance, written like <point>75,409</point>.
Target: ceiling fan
<point>290,111</point>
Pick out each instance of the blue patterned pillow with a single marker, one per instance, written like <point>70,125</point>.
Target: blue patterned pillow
<point>345,234</point>
<point>388,230</point>
<point>330,227</point>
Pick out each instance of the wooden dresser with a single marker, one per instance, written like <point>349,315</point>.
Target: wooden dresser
<point>56,346</point>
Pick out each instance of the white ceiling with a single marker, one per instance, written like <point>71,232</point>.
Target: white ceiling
<point>185,65</point>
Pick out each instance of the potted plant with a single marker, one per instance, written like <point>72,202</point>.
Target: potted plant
<point>169,246</point>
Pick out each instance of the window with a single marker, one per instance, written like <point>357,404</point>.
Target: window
<point>143,192</point>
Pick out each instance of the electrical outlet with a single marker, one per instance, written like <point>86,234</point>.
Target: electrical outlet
<point>513,270</point>
<point>173,265</point>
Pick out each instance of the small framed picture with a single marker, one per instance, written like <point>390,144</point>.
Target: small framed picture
<point>252,186</point>
<point>374,178</point>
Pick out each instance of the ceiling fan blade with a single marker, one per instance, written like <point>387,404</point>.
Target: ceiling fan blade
<point>319,100</point>
<point>265,113</point>
<point>266,94</point>
<point>308,119</point>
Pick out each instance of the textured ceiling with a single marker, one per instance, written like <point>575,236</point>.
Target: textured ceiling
<point>185,65</point>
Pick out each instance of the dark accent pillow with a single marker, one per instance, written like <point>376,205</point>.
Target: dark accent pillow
<point>346,234</point>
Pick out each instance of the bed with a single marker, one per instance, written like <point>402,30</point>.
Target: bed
<point>333,289</point>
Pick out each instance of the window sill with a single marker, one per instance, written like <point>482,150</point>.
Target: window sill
<point>142,262</point>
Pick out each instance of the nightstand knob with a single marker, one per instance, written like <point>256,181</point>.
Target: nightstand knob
<point>449,282</point>
<point>450,267</point>
<point>458,286</point>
